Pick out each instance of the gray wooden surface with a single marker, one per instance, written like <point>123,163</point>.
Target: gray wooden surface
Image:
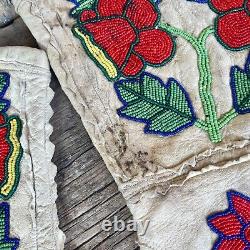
<point>87,193</point>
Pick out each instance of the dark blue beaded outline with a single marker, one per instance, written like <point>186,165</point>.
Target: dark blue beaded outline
<point>6,209</point>
<point>198,1</point>
<point>146,121</point>
<point>246,71</point>
<point>6,77</point>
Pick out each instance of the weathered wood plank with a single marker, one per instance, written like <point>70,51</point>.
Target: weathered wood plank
<point>16,34</point>
<point>87,193</point>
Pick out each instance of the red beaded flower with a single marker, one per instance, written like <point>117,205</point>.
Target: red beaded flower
<point>233,23</point>
<point>122,38</point>
<point>4,147</point>
<point>232,225</point>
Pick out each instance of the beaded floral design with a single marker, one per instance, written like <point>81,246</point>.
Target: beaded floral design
<point>149,100</point>
<point>233,23</point>
<point>124,36</point>
<point>10,147</point>
<point>232,225</point>
<point>6,242</point>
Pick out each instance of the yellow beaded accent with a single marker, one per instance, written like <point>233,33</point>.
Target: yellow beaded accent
<point>98,55</point>
<point>16,148</point>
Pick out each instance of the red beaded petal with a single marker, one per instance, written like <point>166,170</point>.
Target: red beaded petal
<point>231,244</point>
<point>226,5</point>
<point>134,66</point>
<point>242,207</point>
<point>247,5</point>
<point>142,13</point>
<point>155,46</point>
<point>4,149</point>
<point>227,224</point>
<point>247,233</point>
<point>2,119</point>
<point>87,15</point>
<point>115,36</point>
<point>233,29</point>
<point>108,8</point>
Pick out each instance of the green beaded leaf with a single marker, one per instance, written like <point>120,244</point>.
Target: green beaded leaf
<point>166,109</point>
<point>4,84</point>
<point>6,243</point>
<point>240,85</point>
<point>80,6</point>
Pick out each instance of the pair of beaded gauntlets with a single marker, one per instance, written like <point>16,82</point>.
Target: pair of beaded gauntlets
<point>163,89</point>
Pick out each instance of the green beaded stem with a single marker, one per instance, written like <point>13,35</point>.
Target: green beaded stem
<point>227,117</point>
<point>211,124</point>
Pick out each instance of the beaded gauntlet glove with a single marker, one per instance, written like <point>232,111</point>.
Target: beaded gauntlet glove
<point>27,188</point>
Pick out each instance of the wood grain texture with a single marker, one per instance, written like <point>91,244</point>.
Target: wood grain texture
<point>87,193</point>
